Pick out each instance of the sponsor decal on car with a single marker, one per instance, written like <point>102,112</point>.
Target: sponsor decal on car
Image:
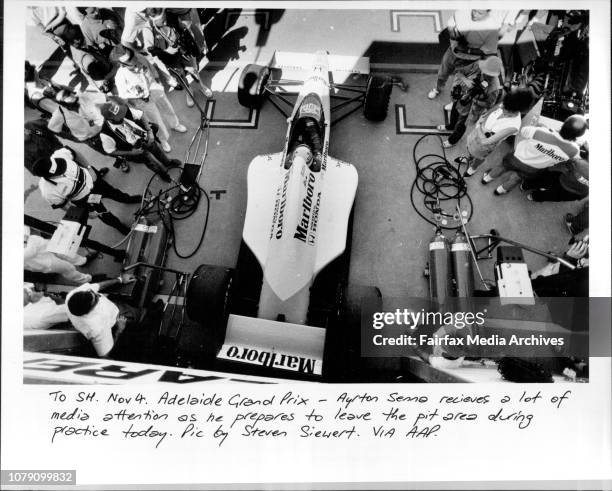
<point>301,231</point>
<point>279,209</point>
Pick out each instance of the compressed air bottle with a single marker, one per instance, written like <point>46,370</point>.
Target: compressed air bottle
<point>440,285</point>
<point>462,266</point>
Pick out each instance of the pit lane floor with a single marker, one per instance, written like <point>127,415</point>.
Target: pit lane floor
<point>389,243</point>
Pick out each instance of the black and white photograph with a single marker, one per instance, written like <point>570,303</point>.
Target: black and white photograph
<point>205,190</point>
<point>366,207</point>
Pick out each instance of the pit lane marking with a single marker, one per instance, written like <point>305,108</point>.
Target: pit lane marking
<point>251,122</point>
<point>396,15</point>
<point>403,128</point>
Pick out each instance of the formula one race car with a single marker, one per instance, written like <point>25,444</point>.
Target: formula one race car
<point>287,292</point>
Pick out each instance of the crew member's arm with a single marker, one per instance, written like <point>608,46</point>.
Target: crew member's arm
<point>57,20</point>
<point>124,279</point>
<point>499,136</point>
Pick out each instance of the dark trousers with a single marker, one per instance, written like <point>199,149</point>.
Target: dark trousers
<point>457,124</point>
<point>154,158</point>
<point>105,190</point>
<point>547,187</point>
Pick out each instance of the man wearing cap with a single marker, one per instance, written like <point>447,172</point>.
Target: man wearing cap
<point>95,316</point>
<point>63,181</point>
<point>473,94</point>
<point>37,259</point>
<point>137,82</point>
<point>474,35</point>
<point>126,133</point>
<point>539,149</point>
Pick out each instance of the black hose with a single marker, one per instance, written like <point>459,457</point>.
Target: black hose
<point>175,208</point>
<point>442,186</point>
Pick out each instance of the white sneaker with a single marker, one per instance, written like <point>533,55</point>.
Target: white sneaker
<point>189,100</point>
<point>433,93</point>
<point>486,178</point>
<point>181,128</point>
<point>166,147</point>
<point>447,144</point>
<point>499,191</point>
<point>448,107</point>
<point>207,92</point>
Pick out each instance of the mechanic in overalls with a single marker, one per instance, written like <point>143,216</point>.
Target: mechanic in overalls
<point>307,132</point>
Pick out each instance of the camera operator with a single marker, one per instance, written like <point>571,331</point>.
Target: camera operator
<point>473,94</point>
<point>474,35</point>
<point>64,181</point>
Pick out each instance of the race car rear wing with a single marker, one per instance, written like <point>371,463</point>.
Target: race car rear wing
<point>275,345</point>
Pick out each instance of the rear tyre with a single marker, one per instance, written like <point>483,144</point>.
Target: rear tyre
<point>252,84</point>
<point>207,301</point>
<point>343,346</point>
<point>377,95</point>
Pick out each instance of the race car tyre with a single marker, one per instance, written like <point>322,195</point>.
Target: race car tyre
<point>357,296</point>
<point>343,343</point>
<point>252,84</point>
<point>377,95</point>
<point>207,300</point>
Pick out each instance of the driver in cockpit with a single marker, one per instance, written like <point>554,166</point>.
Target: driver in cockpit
<point>307,132</point>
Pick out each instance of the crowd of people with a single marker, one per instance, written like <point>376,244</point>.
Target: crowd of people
<point>124,61</point>
<point>550,163</point>
<point>546,159</point>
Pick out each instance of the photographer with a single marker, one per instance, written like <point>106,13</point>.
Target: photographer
<point>137,81</point>
<point>473,94</point>
<point>127,134</point>
<point>474,35</point>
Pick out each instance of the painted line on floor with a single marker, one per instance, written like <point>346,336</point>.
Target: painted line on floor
<point>250,123</point>
<point>396,15</point>
<point>403,128</point>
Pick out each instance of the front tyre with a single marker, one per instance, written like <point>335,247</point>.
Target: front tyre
<point>252,85</point>
<point>377,95</point>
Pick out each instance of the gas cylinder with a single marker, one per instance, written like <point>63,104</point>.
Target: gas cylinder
<point>462,266</point>
<point>440,285</point>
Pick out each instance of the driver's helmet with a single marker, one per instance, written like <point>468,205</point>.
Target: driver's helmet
<point>310,107</point>
<point>302,152</point>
